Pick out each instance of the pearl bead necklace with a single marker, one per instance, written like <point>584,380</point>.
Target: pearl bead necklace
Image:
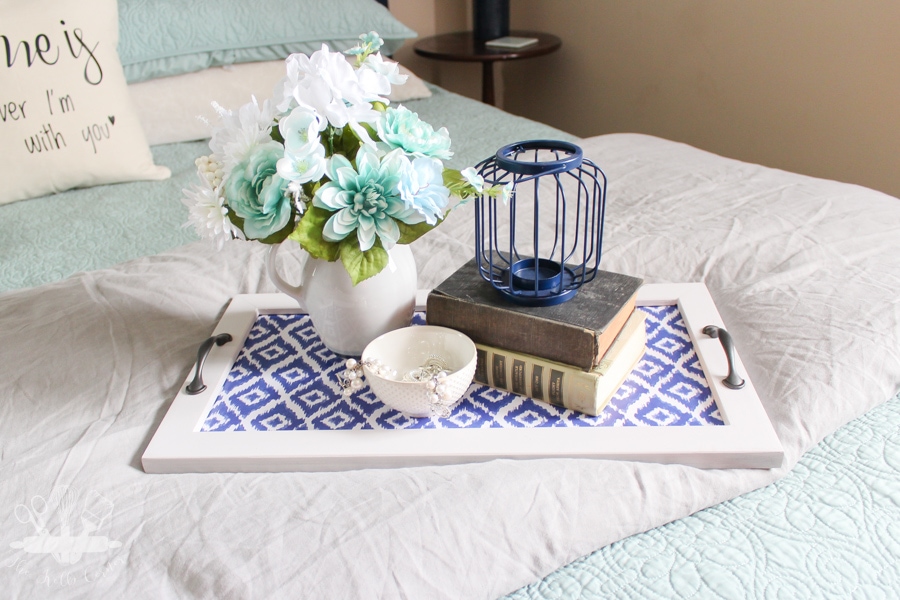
<point>435,379</point>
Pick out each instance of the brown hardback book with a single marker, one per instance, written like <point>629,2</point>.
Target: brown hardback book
<point>577,332</point>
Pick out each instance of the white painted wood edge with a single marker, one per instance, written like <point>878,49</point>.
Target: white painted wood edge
<point>747,440</point>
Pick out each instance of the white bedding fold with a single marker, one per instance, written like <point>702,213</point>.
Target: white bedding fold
<point>805,272</point>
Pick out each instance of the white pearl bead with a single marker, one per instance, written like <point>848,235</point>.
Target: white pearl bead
<point>356,384</point>
<point>351,363</point>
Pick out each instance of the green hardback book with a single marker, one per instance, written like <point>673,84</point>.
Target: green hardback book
<point>577,332</point>
<point>561,385</point>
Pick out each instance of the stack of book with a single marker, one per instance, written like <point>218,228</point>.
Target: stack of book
<point>573,355</point>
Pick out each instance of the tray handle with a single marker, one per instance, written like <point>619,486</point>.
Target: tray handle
<point>196,385</point>
<point>733,381</point>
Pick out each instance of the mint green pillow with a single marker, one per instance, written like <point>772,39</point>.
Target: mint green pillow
<point>158,38</point>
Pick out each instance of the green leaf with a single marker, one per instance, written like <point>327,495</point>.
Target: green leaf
<point>346,142</point>
<point>362,265</point>
<point>232,216</point>
<point>276,135</point>
<point>410,233</point>
<point>373,133</point>
<point>279,236</point>
<point>327,139</point>
<point>309,234</point>
<point>310,189</point>
<point>452,177</point>
<point>457,184</point>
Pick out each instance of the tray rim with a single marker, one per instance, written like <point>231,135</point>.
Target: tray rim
<point>747,440</point>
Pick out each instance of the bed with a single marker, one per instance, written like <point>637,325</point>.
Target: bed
<point>104,298</point>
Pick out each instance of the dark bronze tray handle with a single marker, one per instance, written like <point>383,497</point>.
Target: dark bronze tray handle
<point>733,381</point>
<point>196,385</point>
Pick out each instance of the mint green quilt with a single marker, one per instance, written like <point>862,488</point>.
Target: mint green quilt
<point>829,529</point>
<point>49,238</point>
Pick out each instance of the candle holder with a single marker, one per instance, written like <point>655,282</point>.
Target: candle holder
<point>490,19</point>
<point>553,182</point>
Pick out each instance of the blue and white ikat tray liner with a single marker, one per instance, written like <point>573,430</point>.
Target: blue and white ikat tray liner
<point>285,379</point>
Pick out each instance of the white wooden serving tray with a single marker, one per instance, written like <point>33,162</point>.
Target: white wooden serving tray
<point>745,440</point>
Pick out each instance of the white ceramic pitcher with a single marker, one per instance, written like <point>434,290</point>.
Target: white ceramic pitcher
<point>345,316</point>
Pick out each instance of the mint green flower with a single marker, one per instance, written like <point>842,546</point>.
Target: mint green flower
<point>401,128</point>
<point>257,194</point>
<point>365,199</point>
<point>370,44</point>
<point>372,41</point>
<point>422,187</point>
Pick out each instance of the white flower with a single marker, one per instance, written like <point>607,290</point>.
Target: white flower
<point>501,192</point>
<point>376,76</point>
<point>239,133</point>
<point>387,68</point>
<point>300,130</point>
<point>208,215</point>
<point>326,84</point>
<point>302,167</point>
<point>421,187</point>
<point>474,179</point>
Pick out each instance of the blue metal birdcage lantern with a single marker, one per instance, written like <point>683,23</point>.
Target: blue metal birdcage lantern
<point>544,242</point>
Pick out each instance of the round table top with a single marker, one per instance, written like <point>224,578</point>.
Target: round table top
<point>462,46</point>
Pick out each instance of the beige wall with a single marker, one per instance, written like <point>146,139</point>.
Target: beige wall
<point>428,17</point>
<point>811,86</point>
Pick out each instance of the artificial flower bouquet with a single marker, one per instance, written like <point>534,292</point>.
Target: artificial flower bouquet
<point>328,163</point>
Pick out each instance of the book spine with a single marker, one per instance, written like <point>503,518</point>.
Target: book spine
<point>555,383</point>
<point>603,340</point>
<point>637,320</point>
<point>491,326</point>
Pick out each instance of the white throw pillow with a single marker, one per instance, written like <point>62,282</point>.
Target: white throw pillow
<point>179,108</point>
<point>66,118</point>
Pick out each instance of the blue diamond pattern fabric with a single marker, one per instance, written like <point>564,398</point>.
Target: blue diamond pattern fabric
<point>285,379</point>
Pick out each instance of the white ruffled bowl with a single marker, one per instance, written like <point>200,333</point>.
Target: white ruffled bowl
<point>421,370</point>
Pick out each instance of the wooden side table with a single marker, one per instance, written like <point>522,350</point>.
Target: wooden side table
<point>463,47</point>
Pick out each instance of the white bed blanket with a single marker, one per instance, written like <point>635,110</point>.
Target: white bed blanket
<point>805,272</point>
